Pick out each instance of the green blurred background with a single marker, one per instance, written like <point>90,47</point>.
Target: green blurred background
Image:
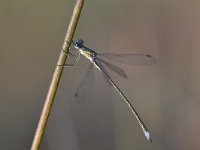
<point>165,94</point>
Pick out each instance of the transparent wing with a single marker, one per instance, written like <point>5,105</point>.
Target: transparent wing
<point>131,59</point>
<point>99,64</point>
<point>114,68</point>
<point>85,88</point>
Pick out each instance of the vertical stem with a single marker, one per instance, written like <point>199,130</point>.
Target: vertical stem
<point>56,76</point>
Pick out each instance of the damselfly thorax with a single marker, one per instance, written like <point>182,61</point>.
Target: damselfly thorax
<point>89,54</point>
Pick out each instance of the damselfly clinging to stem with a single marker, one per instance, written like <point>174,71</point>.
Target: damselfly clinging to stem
<point>93,57</point>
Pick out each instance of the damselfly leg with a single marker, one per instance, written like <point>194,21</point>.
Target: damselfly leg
<point>71,55</point>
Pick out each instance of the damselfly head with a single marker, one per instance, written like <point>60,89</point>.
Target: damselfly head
<point>79,43</point>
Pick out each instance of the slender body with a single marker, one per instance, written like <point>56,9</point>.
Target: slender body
<point>92,57</point>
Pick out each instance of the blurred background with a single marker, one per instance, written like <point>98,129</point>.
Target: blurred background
<point>165,94</point>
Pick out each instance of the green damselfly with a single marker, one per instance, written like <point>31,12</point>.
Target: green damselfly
<point>97,62</point>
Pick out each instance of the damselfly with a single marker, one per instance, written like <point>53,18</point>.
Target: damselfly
<point>94,58</point>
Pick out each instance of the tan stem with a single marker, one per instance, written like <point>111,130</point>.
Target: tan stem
<point>56,76</point>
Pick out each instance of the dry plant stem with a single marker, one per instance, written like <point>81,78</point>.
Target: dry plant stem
<point>56,76</point>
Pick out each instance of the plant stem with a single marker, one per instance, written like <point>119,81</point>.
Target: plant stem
<point>56,76</point>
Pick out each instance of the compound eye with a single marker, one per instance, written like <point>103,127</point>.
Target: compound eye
<point>79,43</point>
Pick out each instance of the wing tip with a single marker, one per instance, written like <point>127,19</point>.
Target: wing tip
<point>76,95</point>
